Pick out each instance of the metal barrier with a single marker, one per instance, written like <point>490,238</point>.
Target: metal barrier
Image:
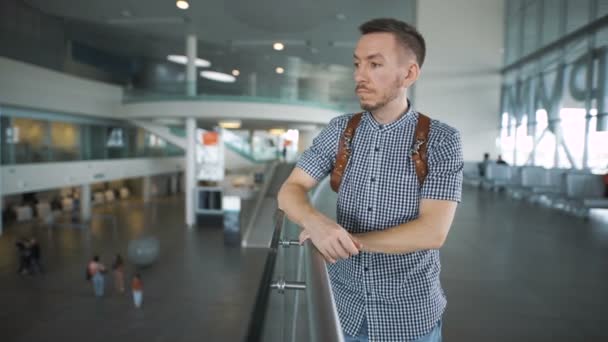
<point>322,323</point>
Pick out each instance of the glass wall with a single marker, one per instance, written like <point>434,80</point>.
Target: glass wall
<point>555,84</point>
<point>56,138</point>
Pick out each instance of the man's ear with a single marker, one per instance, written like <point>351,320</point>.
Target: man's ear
<point>411,75</point>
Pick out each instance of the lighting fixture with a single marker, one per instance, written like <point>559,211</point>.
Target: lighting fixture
<point>230,124</point>
<point>218,76</point>
<point>182,4</point>
<point>181,59</point>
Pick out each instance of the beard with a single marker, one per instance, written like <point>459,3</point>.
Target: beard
<point>391,94</point>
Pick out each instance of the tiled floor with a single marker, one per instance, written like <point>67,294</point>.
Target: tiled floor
<point>198,290</point>
<point>516,272</point>
<point>512,272</point>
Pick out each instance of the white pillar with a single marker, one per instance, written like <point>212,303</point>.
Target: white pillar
<point>85,202</point>
<point>146,189</point>
<point>191,76</point>
<point>305,138</point>
<point>190,170</point>
<point>292,73</point>
<point>174,189</point>
<point>253,84</point>
<point>315,88</point>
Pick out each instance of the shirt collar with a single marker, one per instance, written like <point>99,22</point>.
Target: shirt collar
<point>409,116</point>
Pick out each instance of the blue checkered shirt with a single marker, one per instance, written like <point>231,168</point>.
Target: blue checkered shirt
<point>400,295</point>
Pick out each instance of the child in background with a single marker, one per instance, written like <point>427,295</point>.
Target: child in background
<point>138,290</point>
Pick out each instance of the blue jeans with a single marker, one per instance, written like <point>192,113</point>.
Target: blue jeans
<point>363,336</point>
<point>98,284</point>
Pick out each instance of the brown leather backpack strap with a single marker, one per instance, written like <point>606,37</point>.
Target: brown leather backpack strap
<point>344,150</point>
<point>419,148</point>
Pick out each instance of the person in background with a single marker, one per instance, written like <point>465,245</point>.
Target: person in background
<point>35,264</point>
<point>24,254</point>
<point>501,161</point>
<point>118,268</point>
<point>96,270</point>
<point>483,164</point>
<point>138,290</point>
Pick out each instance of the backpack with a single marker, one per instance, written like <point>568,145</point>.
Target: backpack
<point>418,150</point>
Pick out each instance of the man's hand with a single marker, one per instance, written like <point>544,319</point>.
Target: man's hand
<point>332,241</point>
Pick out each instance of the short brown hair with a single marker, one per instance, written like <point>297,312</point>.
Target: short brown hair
<point>405,33</point>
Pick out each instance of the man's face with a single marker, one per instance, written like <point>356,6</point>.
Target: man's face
<point>381,69</point>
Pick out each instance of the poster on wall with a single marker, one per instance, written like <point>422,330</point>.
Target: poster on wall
<point>209,156</point>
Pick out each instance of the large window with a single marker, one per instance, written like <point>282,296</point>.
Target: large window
<point>553,112</point>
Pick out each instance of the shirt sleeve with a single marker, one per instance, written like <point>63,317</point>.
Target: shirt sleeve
<point>445,163</point>
<point>318,160</point>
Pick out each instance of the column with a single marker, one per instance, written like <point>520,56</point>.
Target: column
<point>191,76</point>
<point>146,189</point>
<point>85,202</point>
<point>289,91</point>
<point>190,176</point>
<point>305,138</point>
<point>174,189</point>
<point>253,84</point>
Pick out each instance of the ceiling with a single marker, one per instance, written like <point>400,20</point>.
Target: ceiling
<point>231,33</point>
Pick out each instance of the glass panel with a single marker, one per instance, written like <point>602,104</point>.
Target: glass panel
<point>530,34</point>
<point>65,139</point>
<point>524,143</point>
<point>598,153</point>
<point>7,140</point>
<point>31,140</point>
<point>602,8</point>
<point>578,14</point>
<point>513,38</point>
<point>573,132</point>
<point>115,143</point>
<point>545,151</point>
<point>97,142</point>
<point>552,18</point>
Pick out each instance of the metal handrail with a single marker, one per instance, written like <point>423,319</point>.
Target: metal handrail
<point>323,318</point>
<point>258,315</point>
<point>322,311</point>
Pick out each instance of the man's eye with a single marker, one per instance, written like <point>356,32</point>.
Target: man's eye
<point>375,65</point>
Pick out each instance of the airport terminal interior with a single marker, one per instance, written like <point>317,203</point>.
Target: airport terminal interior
<point>143,145</point>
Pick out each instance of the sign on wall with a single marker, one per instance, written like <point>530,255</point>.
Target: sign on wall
<point>209,156</point>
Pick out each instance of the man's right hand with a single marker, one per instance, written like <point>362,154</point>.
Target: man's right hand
<point>332,241</point>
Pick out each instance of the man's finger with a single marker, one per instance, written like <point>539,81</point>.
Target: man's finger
<point>349,245</point>
<point>304,235</point>
<point>340,250</point>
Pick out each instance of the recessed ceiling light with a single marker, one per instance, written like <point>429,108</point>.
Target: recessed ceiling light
<point>235,72</point>
<point>182,4</point>
<point>341,16</point>
<point>218,76</point>
<point>278,46</point>
<point>276,131</point>
<point>279,70</point>
<point>181,59</point>
<point>230,124</point>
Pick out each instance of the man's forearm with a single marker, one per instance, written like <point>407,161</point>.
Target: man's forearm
<point>409,237</point>
<point>293,200</point>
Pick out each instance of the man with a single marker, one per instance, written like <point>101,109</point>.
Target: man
<point>501,161</point>
<point>483,165</point>
<point>384,248</point>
